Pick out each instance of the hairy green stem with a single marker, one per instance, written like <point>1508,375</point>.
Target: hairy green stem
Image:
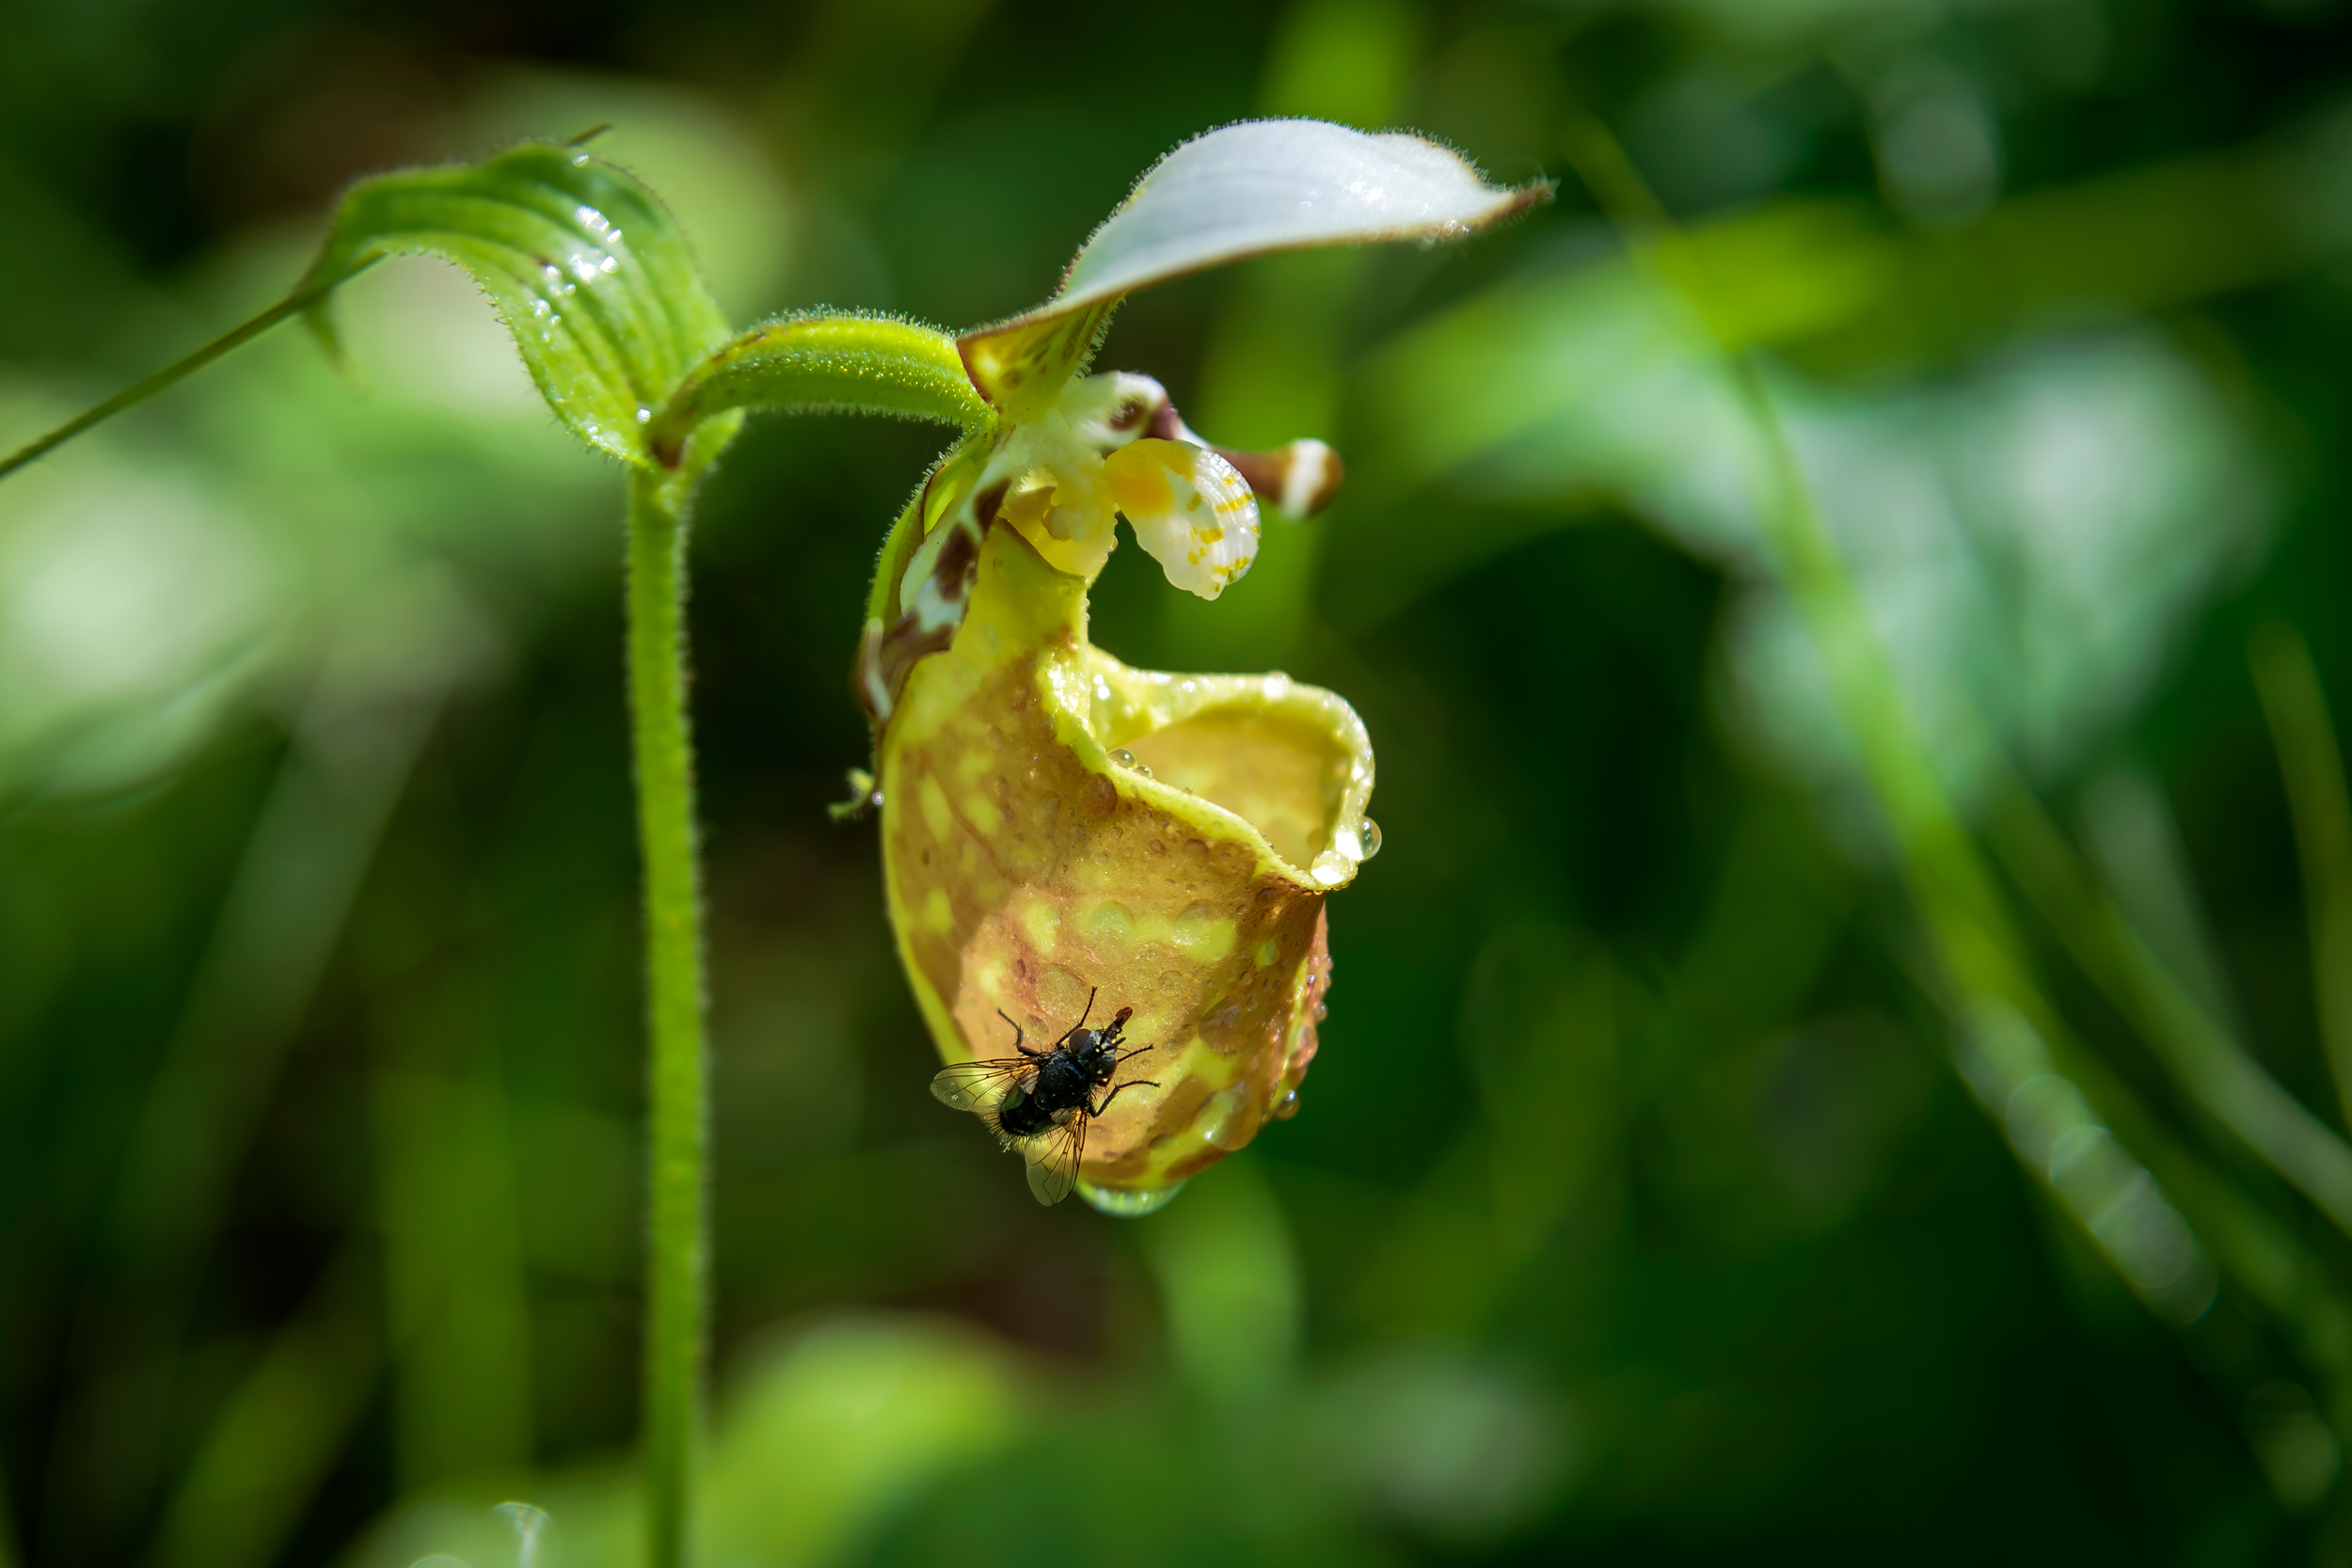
<point>139,391</point>
<point>678,1248</point>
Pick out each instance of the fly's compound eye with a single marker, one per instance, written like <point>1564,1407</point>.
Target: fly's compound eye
<point>1085,1041</point>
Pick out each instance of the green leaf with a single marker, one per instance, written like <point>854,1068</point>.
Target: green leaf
<point>820,364</point>
<point>585,265</point>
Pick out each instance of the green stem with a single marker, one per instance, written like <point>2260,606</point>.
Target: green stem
<point>678,1249</point>
<point>139,393</point>
<point>2009,1037</point>
<point>10,1556</point>
<point>2225,1078</point>
<point>2317,802</point>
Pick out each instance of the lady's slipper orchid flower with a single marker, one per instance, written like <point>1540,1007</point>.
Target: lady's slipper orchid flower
<point>1056,823</point>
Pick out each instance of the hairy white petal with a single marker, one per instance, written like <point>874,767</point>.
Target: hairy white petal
<point>1281,184</point>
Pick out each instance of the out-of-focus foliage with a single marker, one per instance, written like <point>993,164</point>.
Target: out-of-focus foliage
<point>1634,1208</point>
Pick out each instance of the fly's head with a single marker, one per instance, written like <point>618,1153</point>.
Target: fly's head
<point>1097,1049</point>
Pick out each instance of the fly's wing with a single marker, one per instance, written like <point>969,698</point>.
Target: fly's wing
<point>979,1086</point>
<point>1054,1158</point>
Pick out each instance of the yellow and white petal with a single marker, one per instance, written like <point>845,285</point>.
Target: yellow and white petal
<point>1192,511</point>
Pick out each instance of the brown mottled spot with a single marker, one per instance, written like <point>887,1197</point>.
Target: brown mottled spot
<point>1166,424</point>
<point>958,563</point>
<point>1099,795</point>
<point>1269,475</point>
<point>902,645</point>
<point>908,638</point>
<point>990,502</point>
<point>1128,413</point>
<point>867,678</point>
<point>1193,1165</point>
<point>1179,1107</point>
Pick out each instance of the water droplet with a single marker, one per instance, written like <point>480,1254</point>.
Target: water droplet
<point>1129,1203</point>
<point>644,416</point>
<point>1285,1107</point>
<point>1122,756</point>
<point>1331,868</point>
<point>1369,834</point>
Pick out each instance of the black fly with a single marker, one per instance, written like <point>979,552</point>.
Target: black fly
<point>1040,1101</point>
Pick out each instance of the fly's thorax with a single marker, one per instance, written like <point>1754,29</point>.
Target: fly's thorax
<point>1062,1082</point>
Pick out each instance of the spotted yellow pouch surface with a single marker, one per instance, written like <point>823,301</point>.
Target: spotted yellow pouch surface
<point>1056,824</point>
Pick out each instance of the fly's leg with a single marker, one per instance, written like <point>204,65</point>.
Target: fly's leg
<point>1131,1083</point>
<point>1074,1029</point>
<point>1017,1035</point>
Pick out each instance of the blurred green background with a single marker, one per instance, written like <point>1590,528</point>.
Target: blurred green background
<point>1636,1212</point>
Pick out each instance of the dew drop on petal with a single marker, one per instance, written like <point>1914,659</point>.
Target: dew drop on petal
<point>1129,1202</point>
<point>1122,756</point>
<point>1369,834</point>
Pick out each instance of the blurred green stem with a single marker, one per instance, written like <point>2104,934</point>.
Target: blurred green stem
<point>2011,1042</point>
<point>10,1556</point>
<point>2314,767</point>
<point>139,393</point>
<point>2215,1070</point>
<point>280,1432</point>
<point>678,1250</point>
